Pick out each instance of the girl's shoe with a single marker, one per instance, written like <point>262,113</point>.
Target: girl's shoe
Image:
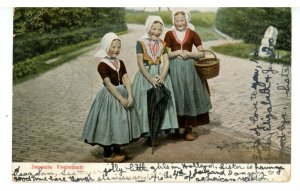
<point>176,135</point>
<point>188,134</point>
<point>125,153</point>
<point>114,158</point>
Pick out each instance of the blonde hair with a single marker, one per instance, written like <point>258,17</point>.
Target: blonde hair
<point>155,22</point>
<point>179,12</point>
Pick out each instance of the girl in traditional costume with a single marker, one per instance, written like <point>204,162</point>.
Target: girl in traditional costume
<point>153,63</point>
<point>108,123</point>
<point>191,93</point>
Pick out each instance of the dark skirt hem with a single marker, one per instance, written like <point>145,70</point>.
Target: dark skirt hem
<point>193,121</point>
<point>93,144</point>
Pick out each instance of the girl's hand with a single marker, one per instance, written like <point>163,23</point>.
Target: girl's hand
<point>160,79</point>
<point>154,82</point>
<point>129,102</point>
<point>185,54</point>
<point>179,54</point>
<point>180,57</point>
<point>124,102</point>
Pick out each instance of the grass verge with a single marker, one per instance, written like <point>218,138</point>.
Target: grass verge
<point>31,68</point>
<point>244,50</point>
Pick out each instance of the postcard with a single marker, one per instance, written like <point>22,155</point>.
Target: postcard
<point>220,106</point>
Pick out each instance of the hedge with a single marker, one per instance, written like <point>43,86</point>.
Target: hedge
<point>34,44</point>
<point>40,30</point>
<point>250,24</point>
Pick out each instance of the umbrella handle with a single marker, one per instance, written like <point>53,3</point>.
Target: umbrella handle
<point>152,144</point>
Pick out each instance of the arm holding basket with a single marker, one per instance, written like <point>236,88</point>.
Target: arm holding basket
<point>195,55</point>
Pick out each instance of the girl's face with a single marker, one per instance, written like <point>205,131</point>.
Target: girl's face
<point>155,31</point>
<point>114,49</point>
<point>180,22</point>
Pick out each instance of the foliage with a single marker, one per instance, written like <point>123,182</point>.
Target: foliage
<point>51,20</point>
<point>44,33</point>
<point>203,19</point>
<point>40,30</point>
<point>33,44</point>
<point>250,24</point>
<point>207,34</point>
<point>36,65</point>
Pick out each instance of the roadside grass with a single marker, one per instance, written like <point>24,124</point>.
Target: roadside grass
<point>204,22</point>
<point>204,19</point>
<point>244,50</point>
<point>42,63</point>
<point>49,60</point>
<point>208,34</point>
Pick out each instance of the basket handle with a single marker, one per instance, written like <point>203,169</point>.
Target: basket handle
<point>210,52</point>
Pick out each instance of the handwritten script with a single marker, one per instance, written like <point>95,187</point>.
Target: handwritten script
<point>271,105</point>
<point>152,172</point>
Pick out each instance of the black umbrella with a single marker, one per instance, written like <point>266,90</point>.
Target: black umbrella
<point>157,101</point>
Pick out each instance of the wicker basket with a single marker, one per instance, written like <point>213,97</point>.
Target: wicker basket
<point>208,68</point>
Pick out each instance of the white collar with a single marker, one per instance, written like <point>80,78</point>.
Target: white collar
<point>108,62</point>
